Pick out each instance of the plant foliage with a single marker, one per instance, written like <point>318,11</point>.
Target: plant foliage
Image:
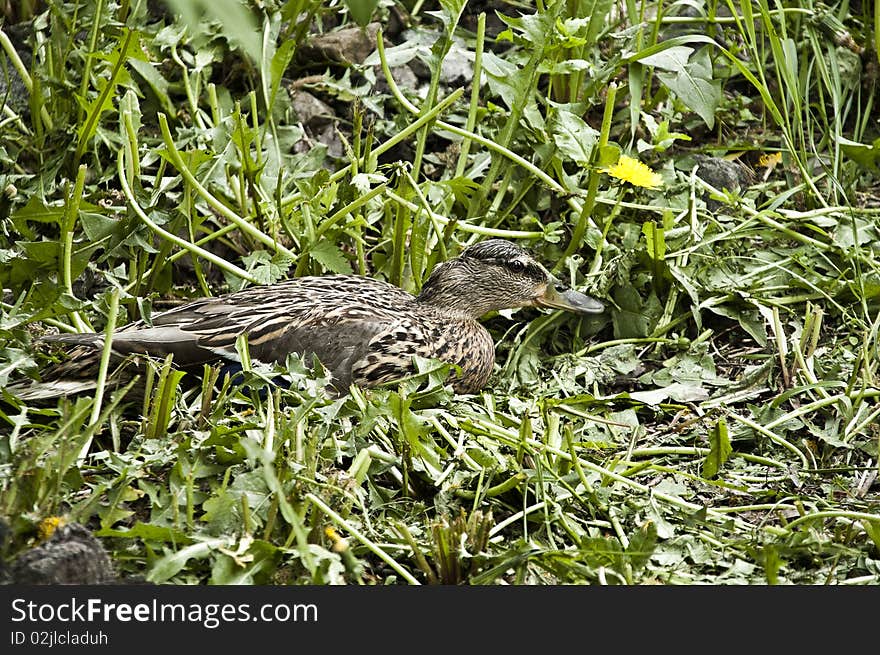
<point>707,167</point>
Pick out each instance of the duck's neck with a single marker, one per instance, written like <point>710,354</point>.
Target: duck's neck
<point>451,291</point>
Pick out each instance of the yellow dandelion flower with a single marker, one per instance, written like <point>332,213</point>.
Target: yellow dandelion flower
<point>770,161</point>
<point>48,525</point>
<point>635,172</point>
<point>339,543</point>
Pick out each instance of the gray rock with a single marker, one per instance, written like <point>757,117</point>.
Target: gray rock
<point>350,45</point>
<point>723,174</point>
<point>319,121</point>
<point>71,556</point>
<point>312,112</point>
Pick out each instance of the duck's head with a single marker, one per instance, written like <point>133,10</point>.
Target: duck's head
<point>497,274</point>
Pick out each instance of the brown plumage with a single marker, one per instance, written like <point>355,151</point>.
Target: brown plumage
<point>364,331</point>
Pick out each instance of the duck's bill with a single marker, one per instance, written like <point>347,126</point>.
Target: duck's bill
<point>569,300</point>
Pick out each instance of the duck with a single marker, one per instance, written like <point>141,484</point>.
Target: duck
<point>364,331</point>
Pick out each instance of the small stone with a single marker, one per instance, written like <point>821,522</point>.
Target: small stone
<point>350,45</point>
<point>71,556</point>
<point>312,112</point>
<point>723,173</point>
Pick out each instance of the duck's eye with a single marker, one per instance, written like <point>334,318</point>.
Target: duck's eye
<point>516,266</point>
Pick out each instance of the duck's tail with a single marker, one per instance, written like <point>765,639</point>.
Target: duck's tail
<point>30,390</point>
<point>76,375</point>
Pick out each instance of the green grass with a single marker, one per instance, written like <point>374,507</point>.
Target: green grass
<point>717,425</point>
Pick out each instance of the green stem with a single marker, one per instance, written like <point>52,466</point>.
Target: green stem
<point>192,248</point>
<point>773,437</point>
<point>368,162</point>
<point>580,228</point>
<point>475,94</point>
<point>106,351</point>
<point>467,227</point>
<point>510,483</point>
<point>766,220</point>
<point>350,208</point>
<point>372,547</point>
<point>465,133</point>
<point>19,66</point>
<point>854,516</point>
<point>213,201</point>
<point>90,126</point>
<point>71,212</point>
<point>92,48</point>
